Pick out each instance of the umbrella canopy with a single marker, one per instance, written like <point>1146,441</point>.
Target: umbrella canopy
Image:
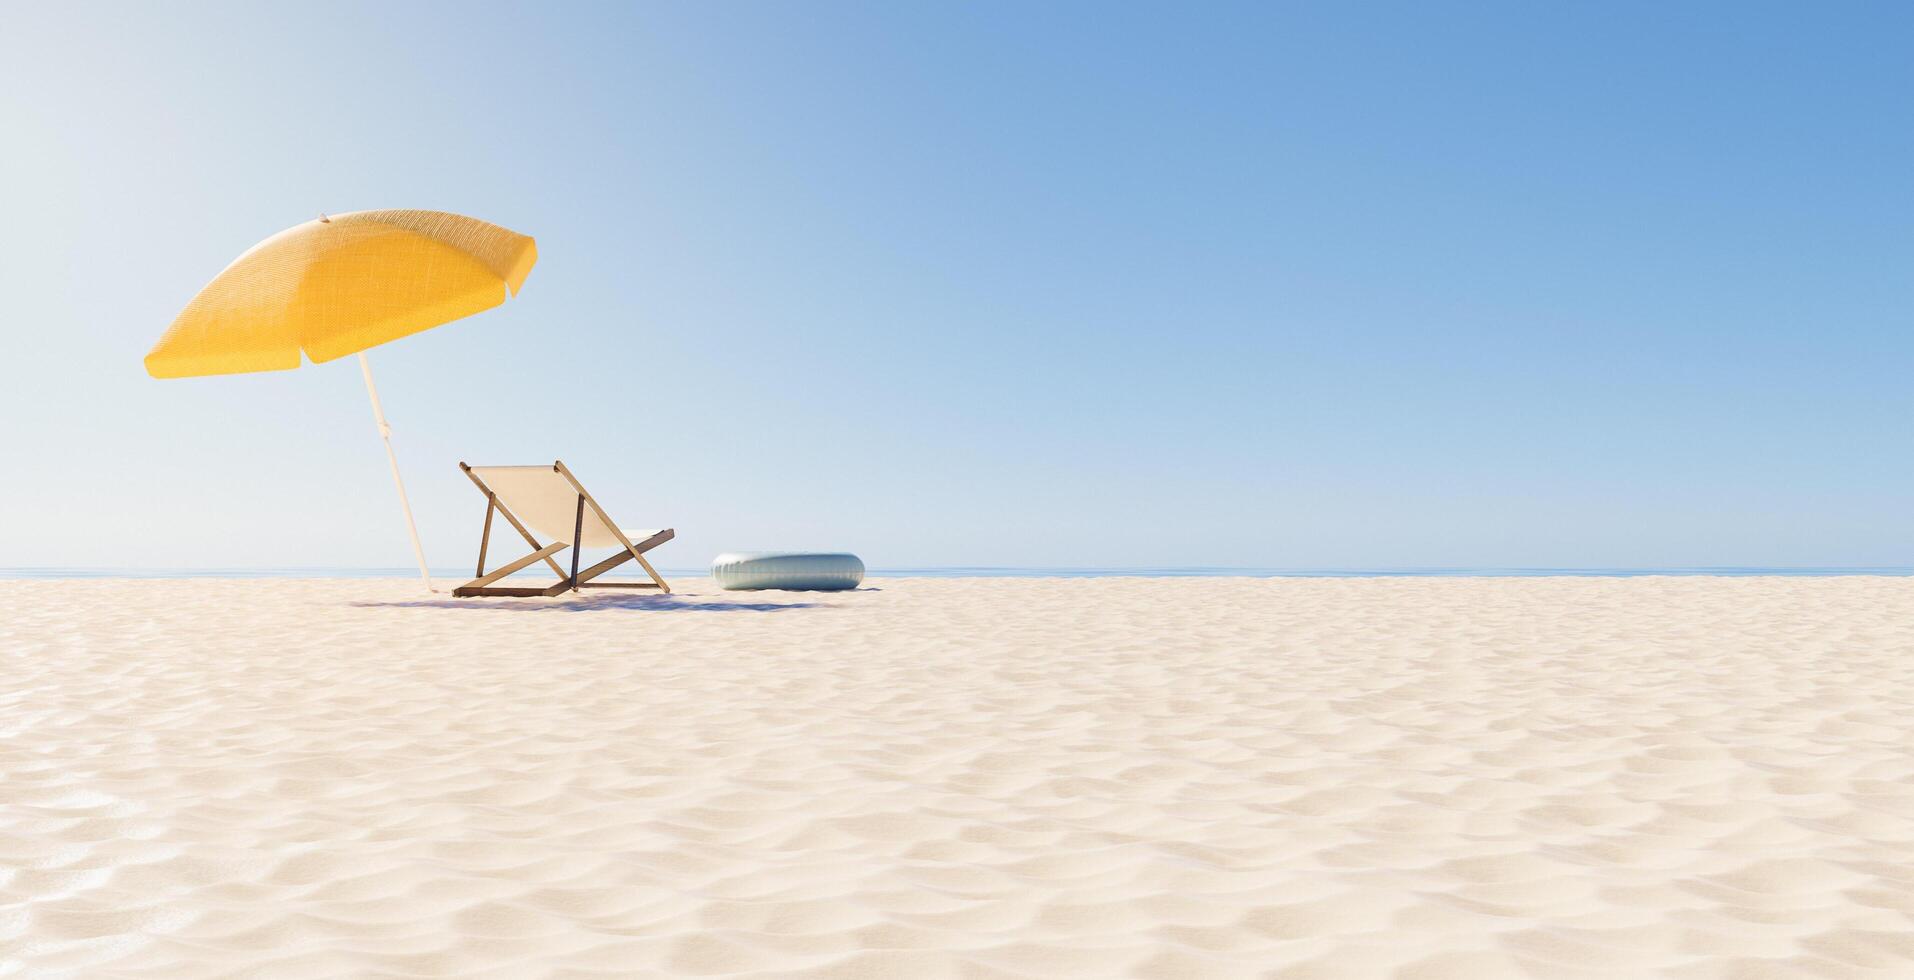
<point>338,285</point>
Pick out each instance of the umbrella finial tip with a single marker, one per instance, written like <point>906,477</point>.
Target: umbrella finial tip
<point>324,219</point>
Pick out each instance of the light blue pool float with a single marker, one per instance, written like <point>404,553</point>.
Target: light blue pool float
<point>797,570</point>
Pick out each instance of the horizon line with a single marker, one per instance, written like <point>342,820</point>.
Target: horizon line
<point>59,572</point>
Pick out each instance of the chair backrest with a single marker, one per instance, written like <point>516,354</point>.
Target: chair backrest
<point>546,501</point>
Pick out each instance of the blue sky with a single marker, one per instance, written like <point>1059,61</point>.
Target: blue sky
<point>1008,284</point>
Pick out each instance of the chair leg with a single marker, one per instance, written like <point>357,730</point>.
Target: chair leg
<point>658,581</point>
<point>479,586</point>
<point>578,542</point>
<point>485,537</point>
<point>624,555</point>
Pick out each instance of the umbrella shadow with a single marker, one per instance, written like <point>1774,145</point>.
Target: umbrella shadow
<point>642,603</point>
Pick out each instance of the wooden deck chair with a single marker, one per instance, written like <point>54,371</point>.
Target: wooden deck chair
<point>551,501</point>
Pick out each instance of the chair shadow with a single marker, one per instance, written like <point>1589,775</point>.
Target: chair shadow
<point>591,603</point>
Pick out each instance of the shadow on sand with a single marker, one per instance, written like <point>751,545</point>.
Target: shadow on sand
<point>590,603</point>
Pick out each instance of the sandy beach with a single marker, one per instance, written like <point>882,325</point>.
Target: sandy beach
<point>1416,778</point>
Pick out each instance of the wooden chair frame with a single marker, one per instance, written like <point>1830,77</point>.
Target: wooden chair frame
<point>481,584</point>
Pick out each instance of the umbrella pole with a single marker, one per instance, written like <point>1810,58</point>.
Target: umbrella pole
<point>385,433</point>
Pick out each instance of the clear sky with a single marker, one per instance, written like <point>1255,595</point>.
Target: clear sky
<point>1325,285</point>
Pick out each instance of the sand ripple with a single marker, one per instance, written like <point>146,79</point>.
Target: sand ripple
<point>1445,779</point>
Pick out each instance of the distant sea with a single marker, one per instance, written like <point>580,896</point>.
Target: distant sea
<point>988,571</point>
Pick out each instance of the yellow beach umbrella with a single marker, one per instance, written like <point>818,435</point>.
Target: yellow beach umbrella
<point>338,285</point>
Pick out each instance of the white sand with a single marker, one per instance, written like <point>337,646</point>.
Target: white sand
<point>977,778</point>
